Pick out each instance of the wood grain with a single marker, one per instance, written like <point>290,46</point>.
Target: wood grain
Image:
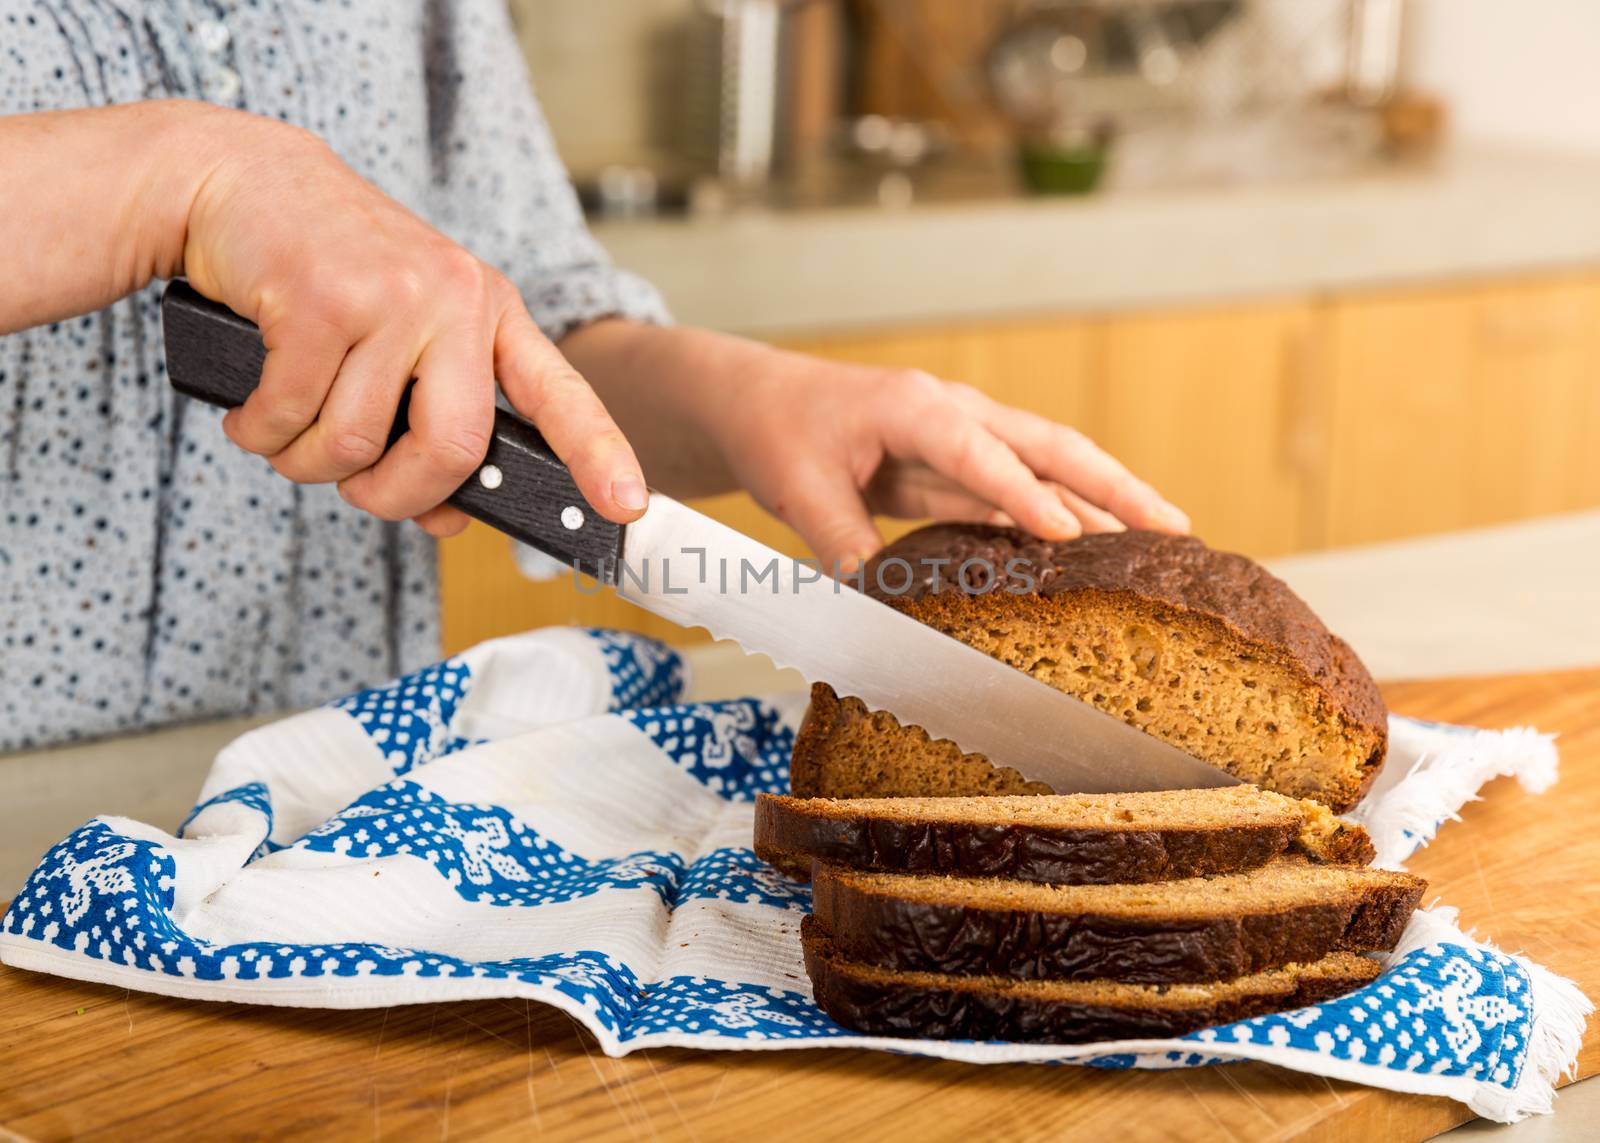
<point>1461,407</point>
<point>1209,406</point>
<point>132,1066</point>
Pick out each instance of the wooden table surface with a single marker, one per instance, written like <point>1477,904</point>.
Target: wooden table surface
<point>91,1062</point>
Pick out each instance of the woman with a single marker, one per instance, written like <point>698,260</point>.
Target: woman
<point>373,185</point>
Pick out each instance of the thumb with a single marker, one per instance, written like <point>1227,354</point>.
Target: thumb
<point>828,511</point>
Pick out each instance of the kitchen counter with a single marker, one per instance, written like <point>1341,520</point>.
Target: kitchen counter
<point>91,1061</point>
<point>1471,213</point>
<point>1524,597</point>
<point>1517,597</point>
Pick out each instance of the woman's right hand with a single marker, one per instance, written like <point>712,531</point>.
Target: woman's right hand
<point>355,296</point>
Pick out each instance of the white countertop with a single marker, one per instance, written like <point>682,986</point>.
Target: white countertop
<point>1475,213</point>
<point>1518,597</point>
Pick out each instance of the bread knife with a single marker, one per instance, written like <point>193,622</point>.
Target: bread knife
<point>696,572</point>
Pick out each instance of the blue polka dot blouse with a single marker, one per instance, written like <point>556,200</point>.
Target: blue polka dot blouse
<point>150,572</point>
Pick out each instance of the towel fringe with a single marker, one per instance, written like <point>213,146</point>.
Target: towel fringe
<point>1560,1010</point>
<point>1451,767</point>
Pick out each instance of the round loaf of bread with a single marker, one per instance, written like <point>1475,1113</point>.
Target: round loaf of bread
<point>1204,649</point>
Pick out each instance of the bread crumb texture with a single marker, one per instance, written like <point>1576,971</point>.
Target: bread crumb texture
<point>1204,649</point>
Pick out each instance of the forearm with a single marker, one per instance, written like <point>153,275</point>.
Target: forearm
<point>96,202</point>
<point>676,393</point>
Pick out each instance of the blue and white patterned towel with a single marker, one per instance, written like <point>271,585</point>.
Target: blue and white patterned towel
<point>541,817</point>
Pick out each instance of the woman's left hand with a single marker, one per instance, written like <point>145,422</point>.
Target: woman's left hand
<point>826,446</point>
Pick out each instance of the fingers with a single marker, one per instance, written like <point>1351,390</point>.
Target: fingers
<point>921,421</point>
<point>936,504</point>
<point>451,416</point>
<point>544,387</point>
<point>323,413</point>
<point>827,510</point>
<point>1072,460</point>
<point>913,491</point>
<point>351,431</point>
<point>443,522</point>
<point>981,460</point>
<point>916,492</point>
<point>303,357</point>
<point>1091,518</point>
<point>354,295</point>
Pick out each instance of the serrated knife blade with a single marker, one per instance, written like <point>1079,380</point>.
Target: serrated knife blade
<point>696,572</point>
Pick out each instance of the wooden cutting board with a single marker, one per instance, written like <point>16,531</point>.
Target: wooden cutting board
<point>90,1062</point>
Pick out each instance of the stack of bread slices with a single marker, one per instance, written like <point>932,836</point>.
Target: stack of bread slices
<point>1079,917</point>
<point>954,897</point>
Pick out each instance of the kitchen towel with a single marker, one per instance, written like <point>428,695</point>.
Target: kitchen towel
<point>543,817</point>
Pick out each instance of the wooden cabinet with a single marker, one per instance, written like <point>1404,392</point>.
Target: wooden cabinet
<point>1459,408</point>
<point>1279,426</point>
<point>1210,407</point>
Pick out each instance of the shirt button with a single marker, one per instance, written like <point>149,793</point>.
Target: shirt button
<point>214,36</point>
<point>224,85</point>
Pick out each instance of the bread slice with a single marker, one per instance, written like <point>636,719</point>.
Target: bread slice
<point>1087,839</point>
<point>1198,929</point>
<point>1203,649</point>
<point>926,1005</point>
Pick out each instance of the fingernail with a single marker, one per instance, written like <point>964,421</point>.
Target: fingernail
<point>1175,517</point>
<point>852,564</point>
<point>630,494</point>
<point>1060,521</point>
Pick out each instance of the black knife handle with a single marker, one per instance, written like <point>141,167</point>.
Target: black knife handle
<point>521,487</point>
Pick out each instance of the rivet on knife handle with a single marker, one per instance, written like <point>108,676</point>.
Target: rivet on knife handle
<point>521,488</point>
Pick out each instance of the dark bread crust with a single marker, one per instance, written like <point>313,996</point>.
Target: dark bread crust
<point>1178,571</point>
<point>871,1002</point>
<point>1145,576</point>
<point>928,936</point>
<point>828,718</point>
<point>788,837</point>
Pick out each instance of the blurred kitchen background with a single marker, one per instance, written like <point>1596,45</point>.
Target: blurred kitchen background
<point>1325,271</point>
